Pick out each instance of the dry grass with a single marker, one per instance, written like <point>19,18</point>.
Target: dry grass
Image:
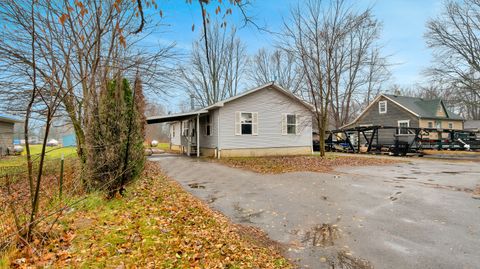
<point>15,197</point>
<point>276,165</point>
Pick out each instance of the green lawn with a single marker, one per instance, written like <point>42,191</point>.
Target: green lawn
<point>164,146</point>
<point>51,154</point>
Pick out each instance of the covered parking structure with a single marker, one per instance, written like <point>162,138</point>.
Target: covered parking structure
<point>185,129</point>
<point>400,140</point>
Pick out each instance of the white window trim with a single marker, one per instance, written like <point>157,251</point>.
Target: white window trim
<point>239,123</point>
<point>403,121</point>
<point>380,107</point>
<point>285,123</point>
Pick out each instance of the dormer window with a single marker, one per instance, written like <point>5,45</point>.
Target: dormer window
<point>382,107</point>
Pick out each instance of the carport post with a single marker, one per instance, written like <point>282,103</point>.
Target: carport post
<point>198,135</point>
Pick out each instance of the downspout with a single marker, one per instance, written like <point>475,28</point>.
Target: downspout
<point>198,135</point>
<point>218,135</point>
<point>311,136</point>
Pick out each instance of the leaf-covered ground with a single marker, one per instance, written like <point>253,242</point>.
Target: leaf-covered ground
<point>157,225</point>
<point>275,165</point>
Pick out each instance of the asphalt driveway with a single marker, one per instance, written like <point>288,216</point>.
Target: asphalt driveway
<point>418,214</point>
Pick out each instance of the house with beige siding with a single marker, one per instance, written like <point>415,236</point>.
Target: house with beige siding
<point>7,123</point>
<point>403,111</point>
<point>264,121</point>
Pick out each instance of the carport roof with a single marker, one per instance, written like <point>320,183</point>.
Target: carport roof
<point>175,117</point>
<point>9,118</point>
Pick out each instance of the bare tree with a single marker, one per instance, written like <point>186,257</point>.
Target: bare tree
<point>332,44</point>
<point>377,74</point>
<point>88,42</point>
<point>215,71</point>
<point>44,98</point>
<point>454,38</point>
<point>278,66</point>
<point>359,63</point>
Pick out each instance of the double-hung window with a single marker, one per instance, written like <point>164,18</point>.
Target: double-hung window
<point>246,119</point>
<point>403,124</point>
<point>246,123</point>
<point>289,124</point>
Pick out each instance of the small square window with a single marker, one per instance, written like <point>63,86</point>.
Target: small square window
<point>382,107</point>
<point>430,124</point>
<point>450,125</point>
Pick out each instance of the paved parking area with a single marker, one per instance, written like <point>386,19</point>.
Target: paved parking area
<point>417,214</point>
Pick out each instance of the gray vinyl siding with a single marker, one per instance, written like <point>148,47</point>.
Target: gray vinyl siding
<point>6,137</point>
<point>209,141</point>
<point>391,118</point>
<point>270,105</point>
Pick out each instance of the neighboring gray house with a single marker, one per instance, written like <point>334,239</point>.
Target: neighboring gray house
<point>402,111</point>
<point>6,133</point>
<point>264,121</point>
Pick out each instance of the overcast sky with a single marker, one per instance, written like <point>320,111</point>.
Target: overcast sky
<point>402,36</point>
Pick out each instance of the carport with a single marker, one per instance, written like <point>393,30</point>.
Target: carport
<point>192,119</point>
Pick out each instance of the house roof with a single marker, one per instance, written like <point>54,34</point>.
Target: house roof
<point>9,118</point>
<point>423,108</point>
<point>183,116</point>
<point>419,107</point>
<point>271,85</point>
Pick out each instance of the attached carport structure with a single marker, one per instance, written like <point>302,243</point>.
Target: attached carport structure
<point>180,117</point>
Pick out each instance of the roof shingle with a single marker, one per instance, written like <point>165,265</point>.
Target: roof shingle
<point>422,107</point>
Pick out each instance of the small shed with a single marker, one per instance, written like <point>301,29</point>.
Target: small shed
<point>7,123</point>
